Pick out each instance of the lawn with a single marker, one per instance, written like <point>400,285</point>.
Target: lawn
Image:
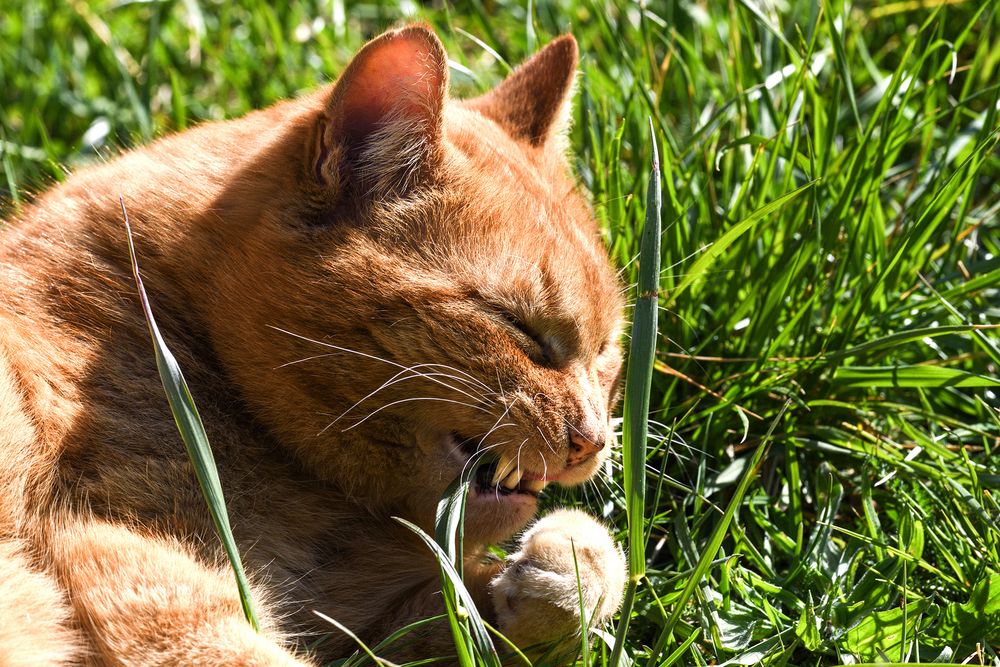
<point>823,458</point>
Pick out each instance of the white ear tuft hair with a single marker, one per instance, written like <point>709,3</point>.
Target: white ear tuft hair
<point>533,103</point>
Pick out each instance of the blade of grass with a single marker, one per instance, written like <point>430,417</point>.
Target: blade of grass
<point>193,434</point>
<point>450,576</point>
<point>679,651</point>
<point>584,612</point>
<point>449,531</point>
<point>900,337</point>
<point>638,380</point>
<point>910,376</point>
<point>393,638</point>
<point>719,246</point>
<point>449,524</point>
<point>357,640</point>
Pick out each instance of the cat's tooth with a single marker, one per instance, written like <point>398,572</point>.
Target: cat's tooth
<point>534,485</point>
<point>504,466</point>
<point>512,480</point>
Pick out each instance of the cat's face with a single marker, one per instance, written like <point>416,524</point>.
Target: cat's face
<point>509,315</point>
<point>449,303</point>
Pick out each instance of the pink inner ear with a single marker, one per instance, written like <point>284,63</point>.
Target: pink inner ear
<point>399,79</point>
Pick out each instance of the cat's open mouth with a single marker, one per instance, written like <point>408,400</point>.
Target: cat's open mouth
<point>499,476</point>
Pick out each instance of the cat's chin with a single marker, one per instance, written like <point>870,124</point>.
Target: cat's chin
<point>503,493</point>
<point>494,517</point>
<point>495,508</point>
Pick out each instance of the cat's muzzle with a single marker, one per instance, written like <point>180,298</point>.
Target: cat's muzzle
<point>498,475</point>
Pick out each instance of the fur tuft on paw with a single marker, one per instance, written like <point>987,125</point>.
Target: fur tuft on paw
<point>538,595</point>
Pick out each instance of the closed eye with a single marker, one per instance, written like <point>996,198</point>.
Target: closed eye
<point>540,352</point>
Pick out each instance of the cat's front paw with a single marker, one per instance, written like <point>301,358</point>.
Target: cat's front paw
<point>537,596</point>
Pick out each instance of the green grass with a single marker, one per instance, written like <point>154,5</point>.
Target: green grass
<point>192,432</point>
<point>828,299</point>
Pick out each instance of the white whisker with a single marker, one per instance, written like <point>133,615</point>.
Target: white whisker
<point>544,439</point>
<point>402,377</point>
<point>373,357</point>
<point>406,400</point>
<point>545,467</point>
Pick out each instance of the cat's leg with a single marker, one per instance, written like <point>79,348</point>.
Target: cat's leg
<point>144,601</point>
<point>564,556</point>
<point>35,619</point>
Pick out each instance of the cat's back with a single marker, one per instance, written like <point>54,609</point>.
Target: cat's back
<point>21,462</point>
<point>77,374</point>
<point>37,357</point>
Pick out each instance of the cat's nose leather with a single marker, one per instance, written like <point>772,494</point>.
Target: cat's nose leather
<point>583,446</point>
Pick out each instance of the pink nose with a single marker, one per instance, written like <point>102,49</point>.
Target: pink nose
<point>583,446</point>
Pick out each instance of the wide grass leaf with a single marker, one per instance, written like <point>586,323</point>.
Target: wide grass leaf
<point>881,635</point>
<point>976,621</point>
<point>910,376</point>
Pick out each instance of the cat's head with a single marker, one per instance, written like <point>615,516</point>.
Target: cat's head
<point>429,289</point>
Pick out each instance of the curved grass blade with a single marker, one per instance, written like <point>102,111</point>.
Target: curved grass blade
<point>449,523</point>
<point>900,337</point>
<point>515,652</point>
<point>712,253</point>
<point>357,640</point>
<point>405,630</point>
<point>193,434</point>
<point>453,581</point>
<point>679,651</point>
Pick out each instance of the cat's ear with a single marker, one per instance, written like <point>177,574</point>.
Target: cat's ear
<point>532,104</point>
<point>382,124</point>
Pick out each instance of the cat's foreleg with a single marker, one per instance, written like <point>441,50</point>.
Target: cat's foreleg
<point>146,601</point>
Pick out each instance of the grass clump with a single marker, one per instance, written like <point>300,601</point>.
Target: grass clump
<point>822,458</point>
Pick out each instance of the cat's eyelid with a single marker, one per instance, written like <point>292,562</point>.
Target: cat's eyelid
<point>519,324</point>
<point>555,345</point>
<point>549,348</point>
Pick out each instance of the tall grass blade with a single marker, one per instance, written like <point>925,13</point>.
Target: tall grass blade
<point>449,532</point>
<point>449,524</point>
<point>195,439</point>
<point>638,379</point>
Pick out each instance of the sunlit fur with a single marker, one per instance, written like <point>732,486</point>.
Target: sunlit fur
<point>342,278</point>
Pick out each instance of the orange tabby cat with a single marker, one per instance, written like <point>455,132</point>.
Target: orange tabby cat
<point>369,289</point>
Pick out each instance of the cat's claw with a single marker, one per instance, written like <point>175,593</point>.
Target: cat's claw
<point>537,597</point>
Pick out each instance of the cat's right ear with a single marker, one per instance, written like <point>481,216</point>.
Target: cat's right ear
<point>382,126</point>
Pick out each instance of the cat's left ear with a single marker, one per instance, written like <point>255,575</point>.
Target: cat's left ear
<point>382,126</point>
<point>533,103</point>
